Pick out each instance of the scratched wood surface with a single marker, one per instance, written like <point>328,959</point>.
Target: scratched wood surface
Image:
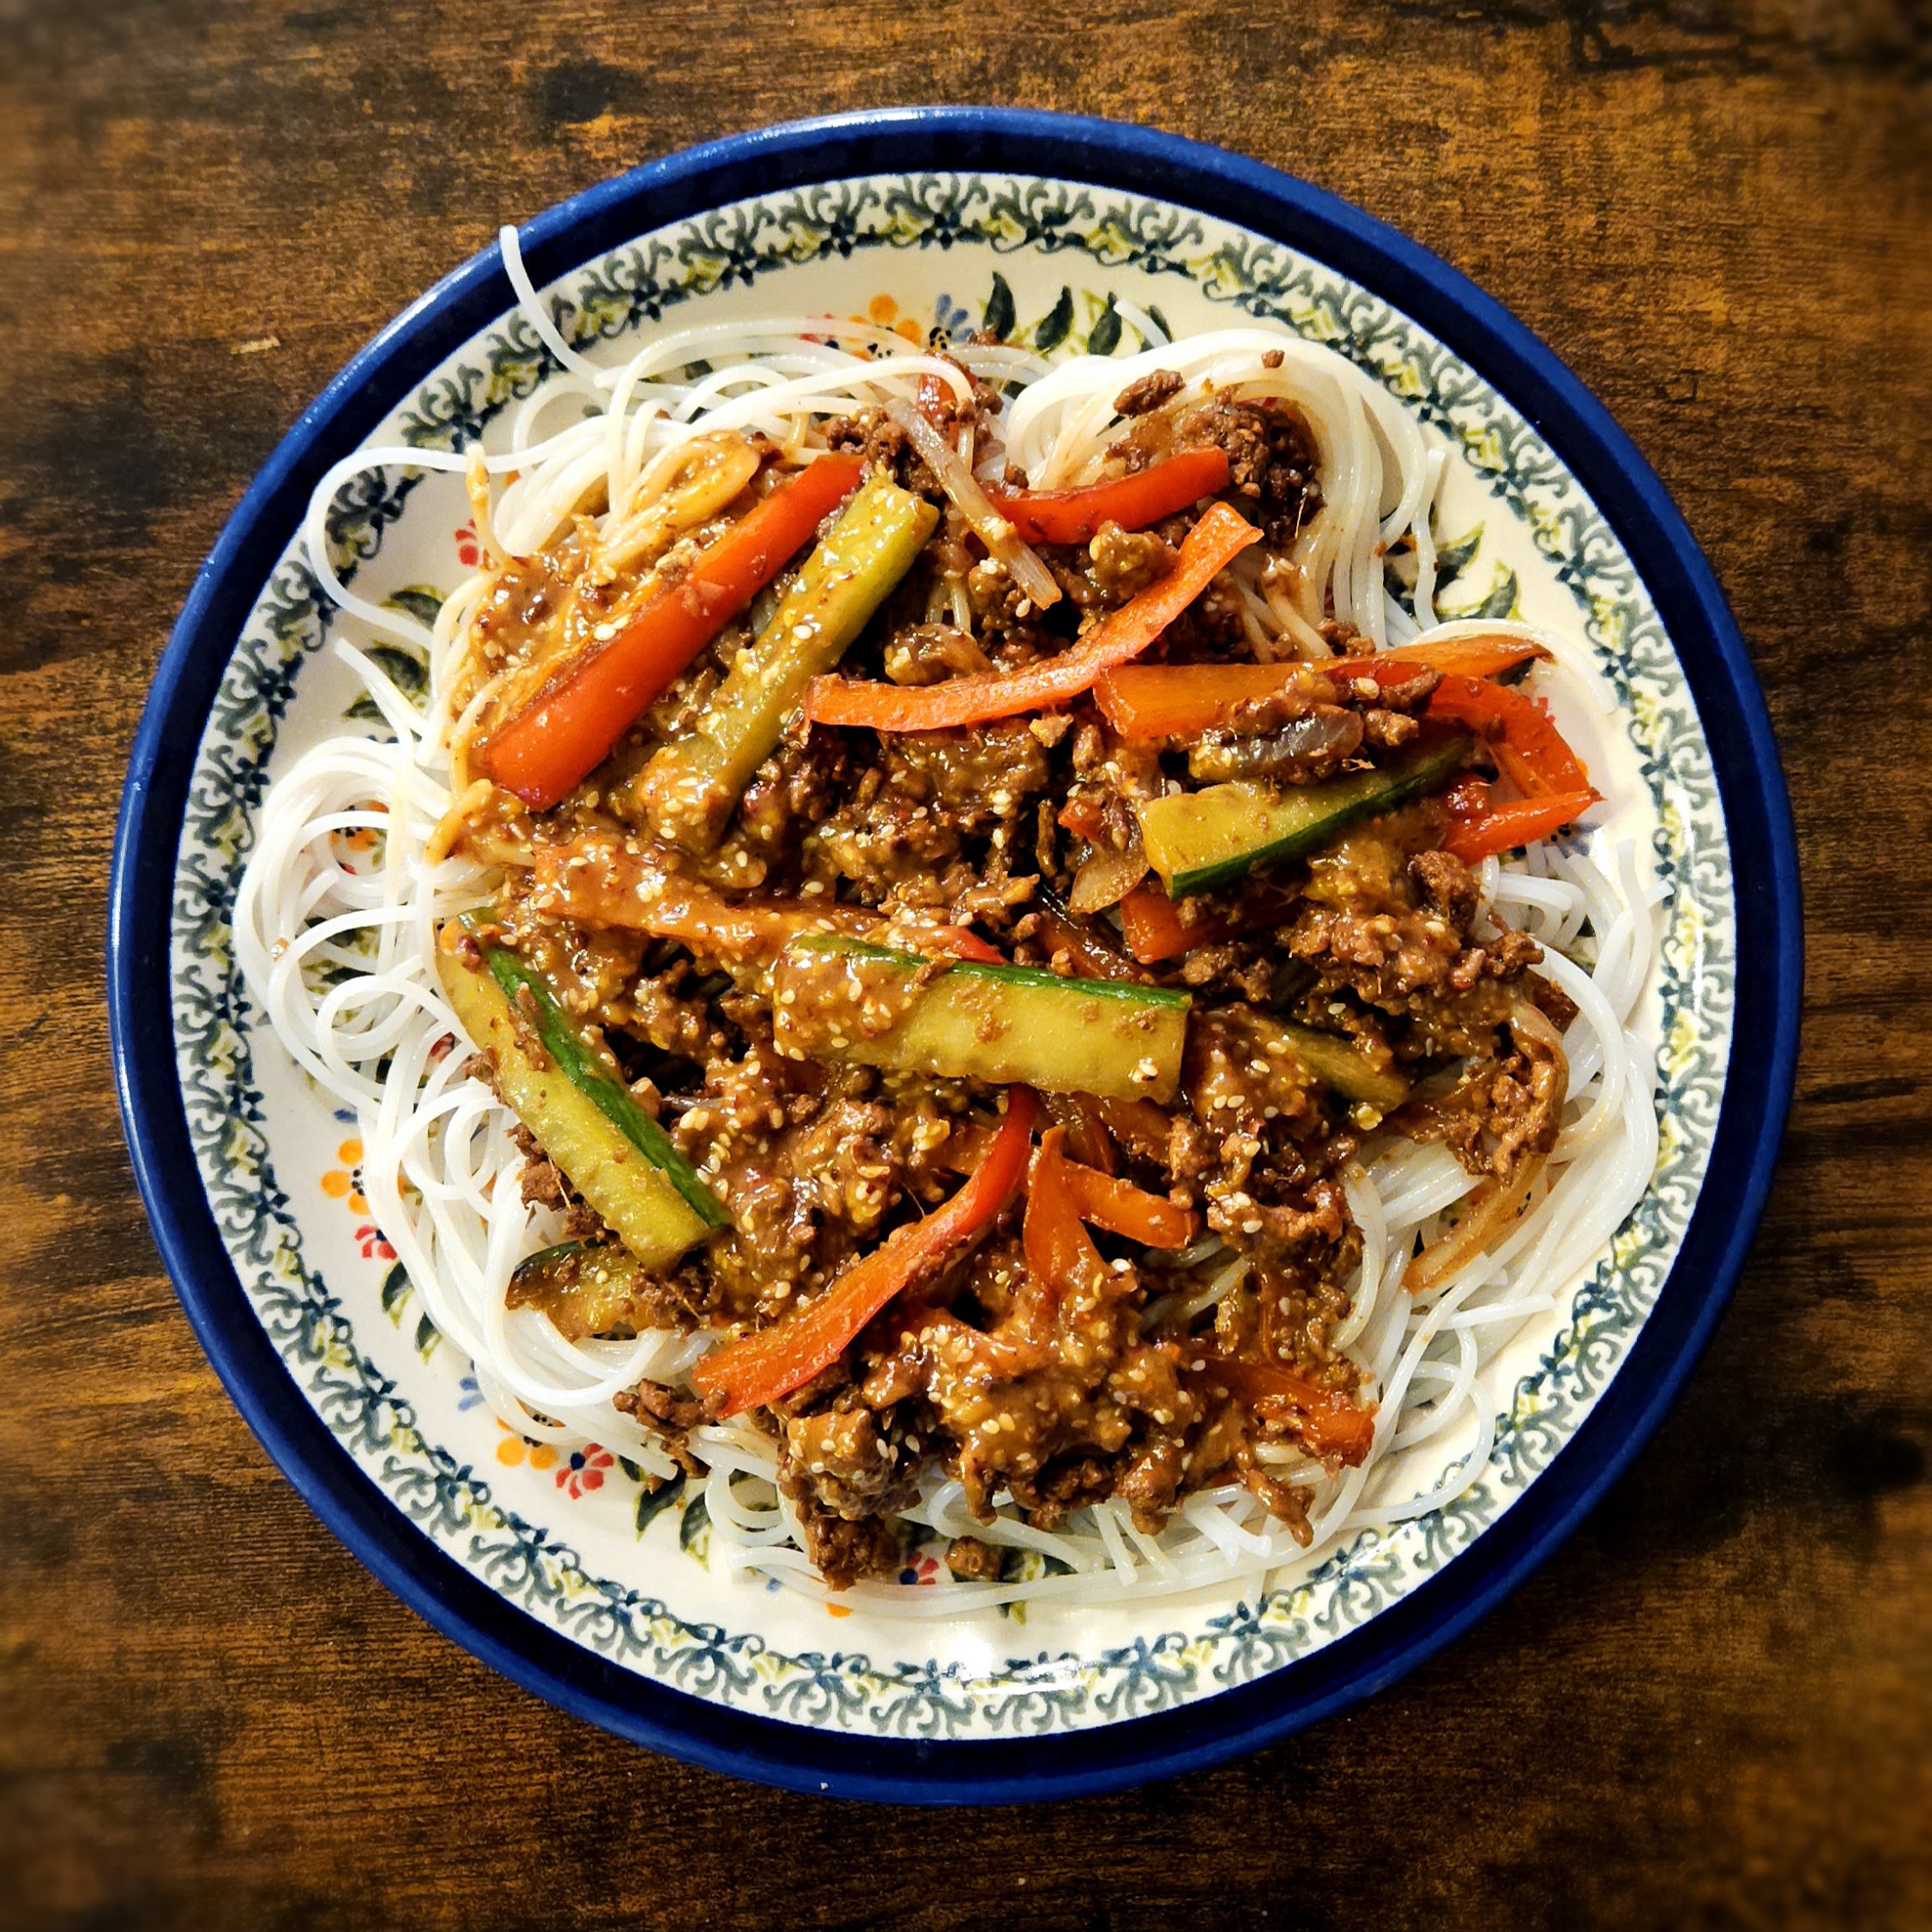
<point>1713,1709</point>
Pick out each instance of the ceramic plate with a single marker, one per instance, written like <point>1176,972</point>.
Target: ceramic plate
<point>562,1571</point>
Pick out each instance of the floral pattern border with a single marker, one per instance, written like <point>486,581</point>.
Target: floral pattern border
<point>640,284</point>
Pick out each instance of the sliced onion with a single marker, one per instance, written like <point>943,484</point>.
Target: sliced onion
<point>1107,879</point>
<point>1023,563</point>
<point>1493,1206</point>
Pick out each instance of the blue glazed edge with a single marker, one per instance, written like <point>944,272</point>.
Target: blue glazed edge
<point>1769,953</point>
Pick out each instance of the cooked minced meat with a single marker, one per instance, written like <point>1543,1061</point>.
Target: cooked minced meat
<point>753,990</point>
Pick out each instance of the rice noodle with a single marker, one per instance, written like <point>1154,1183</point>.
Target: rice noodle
<point>956,479</point>
<point>337,950</point>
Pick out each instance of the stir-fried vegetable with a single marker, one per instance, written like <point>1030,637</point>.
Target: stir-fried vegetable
<point>705,475</point>
<point>1520,731</point>
<point>1060,1254</point>
<point>569,729</point>
<point>1087,1136</point>
<point>762,1368</point>
<point>1214,542</point>
<point>587,1287</point>
<point>615,1155</point>
<point>1355,1070</point>
<point>1146,701</point>
<point>1198,839</point>
<point>1152,926</point>
<point>690,787</point>
<point>836,998</point>
<point>1131,501</point>
<point>963,488</point>
<point>1105,879</point>
<point>1481,830</point>
<point>1532,755</point>
<point>1489,1209</point>
<point>1123,1209</point>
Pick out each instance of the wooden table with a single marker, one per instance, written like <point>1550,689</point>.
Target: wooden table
<point>1713,1708</point>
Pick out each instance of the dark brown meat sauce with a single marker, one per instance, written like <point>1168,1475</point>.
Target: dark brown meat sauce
<point>1058,1399</point>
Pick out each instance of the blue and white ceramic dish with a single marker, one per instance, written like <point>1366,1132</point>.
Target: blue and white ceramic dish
<point>561,1572</point>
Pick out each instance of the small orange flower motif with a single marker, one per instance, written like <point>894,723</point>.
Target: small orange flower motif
<point>340,1183</point>
<point>883,311</point>
<point>513,1450</point>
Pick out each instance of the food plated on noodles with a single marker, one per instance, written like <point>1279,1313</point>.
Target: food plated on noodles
<point>958,957</point>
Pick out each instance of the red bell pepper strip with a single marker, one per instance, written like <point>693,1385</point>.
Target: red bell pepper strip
<point>1151,925</point>
<point>1060,1254</point>
<point>1085,817</point>
<point>1326,1420</point>
<point>568,729</point>
<point>762,1368</point>
<point>1132,502</point>
<point>1527,744</point>
<point>1214,542</point>
<point>961,941</point>
<point>1154,929</point>
<point>1177,700</point>
<point>1123,1209</point>
<point>1503,828</point>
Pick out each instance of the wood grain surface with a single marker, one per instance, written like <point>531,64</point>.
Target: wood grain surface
<point>1713,1709</point>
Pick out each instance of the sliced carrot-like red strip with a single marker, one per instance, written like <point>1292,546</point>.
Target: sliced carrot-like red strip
<point>1132,502</point>
<point>1520,731</point>
<point>1154,929</point>
<point>1214,542</point>
<point>1123,1209</point>
<point>760,1368</point>
<point>1085,817</point>
<point>568,729</point>
<point>1177,700</point>
<point>1151,925</point>
<point>1328,1422</point>
<point>1060,1254</point>
<point>1139,1125</point>
<point>1503,828</point>
<point>961,941</point>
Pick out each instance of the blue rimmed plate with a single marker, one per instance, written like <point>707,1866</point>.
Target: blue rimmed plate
<point>559,1570</point>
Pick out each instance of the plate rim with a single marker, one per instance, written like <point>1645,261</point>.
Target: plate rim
<point>1760,1074</point>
